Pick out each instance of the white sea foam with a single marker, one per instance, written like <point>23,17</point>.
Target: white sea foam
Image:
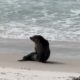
<point>76,12</point>
<point>22,31</point>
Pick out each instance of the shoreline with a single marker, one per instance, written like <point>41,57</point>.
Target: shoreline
<point>59,65</point>
<point>62,57</point>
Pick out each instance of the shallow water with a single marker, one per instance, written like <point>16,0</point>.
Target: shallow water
<point>54,19</point>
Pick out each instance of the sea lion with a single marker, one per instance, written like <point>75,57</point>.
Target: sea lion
<point>42,50</point>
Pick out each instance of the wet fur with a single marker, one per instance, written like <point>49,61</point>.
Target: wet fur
<point>42,51</point>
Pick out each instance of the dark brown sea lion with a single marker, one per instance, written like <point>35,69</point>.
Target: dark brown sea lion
<point>42,50</point>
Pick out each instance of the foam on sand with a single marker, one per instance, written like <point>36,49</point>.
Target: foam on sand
<point>21,74</point>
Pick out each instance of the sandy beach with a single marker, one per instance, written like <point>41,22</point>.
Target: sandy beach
<point>58,21</point>
<point>63,60</point>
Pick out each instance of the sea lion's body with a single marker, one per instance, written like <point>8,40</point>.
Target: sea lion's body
<point>42,51</point>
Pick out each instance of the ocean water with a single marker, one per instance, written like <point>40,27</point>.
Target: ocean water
<point>54,19</point>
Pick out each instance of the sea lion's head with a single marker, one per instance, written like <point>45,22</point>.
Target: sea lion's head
<point>37,38</point>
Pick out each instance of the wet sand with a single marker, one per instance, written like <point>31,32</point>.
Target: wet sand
<point>13,50</point>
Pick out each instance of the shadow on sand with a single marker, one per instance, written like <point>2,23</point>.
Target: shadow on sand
<point>54,62</point>
<point>48,62</point>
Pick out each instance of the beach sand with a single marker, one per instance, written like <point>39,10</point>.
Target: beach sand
<point>60,66</point>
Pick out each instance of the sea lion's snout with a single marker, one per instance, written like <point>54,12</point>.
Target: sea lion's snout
<point>31,38</point>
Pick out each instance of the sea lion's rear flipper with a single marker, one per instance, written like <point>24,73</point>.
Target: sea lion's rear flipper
<point>29,57</point>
